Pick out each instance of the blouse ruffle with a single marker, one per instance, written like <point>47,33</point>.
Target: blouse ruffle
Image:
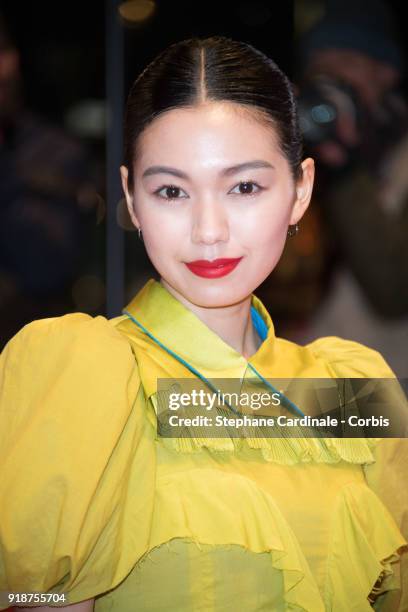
<point>343,359</point>
<point>81,501</point>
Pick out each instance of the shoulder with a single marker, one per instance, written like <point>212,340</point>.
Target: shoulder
<point>67,334</point>
<point>349,358</point>
<point>68,329</point>
<point>67,364</point>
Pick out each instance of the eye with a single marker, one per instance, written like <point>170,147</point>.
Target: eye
<point>172,192</point>
<point>247,188</point>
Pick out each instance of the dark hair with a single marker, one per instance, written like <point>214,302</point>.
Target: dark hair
<point>213,69</point>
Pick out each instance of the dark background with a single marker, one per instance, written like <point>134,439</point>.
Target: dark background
<point>62,48</point>
<point>62,44</point>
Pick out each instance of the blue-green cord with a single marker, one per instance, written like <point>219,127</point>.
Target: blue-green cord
<point>180,359</point>
<point>286,401</point>
<point>259,323</point>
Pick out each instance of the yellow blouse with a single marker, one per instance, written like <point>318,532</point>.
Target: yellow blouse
<point>93,502</point>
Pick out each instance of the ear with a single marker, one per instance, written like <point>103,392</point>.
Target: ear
<point>304,188</point>
<point>124,174</point>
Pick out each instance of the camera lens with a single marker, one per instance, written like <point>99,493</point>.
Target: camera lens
<point>320,103</point>
<point>316,120</point>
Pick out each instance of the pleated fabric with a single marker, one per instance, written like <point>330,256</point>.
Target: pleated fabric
<point>95,503</point>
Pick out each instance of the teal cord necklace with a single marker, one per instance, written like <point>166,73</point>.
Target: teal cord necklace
<point>262,330</point>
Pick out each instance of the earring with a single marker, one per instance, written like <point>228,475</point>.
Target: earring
<point>293,230</point>
<point>139,233</point>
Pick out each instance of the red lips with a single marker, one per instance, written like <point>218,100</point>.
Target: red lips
<point>213,269</point>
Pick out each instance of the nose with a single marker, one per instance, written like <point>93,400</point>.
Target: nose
<point>210,223</point>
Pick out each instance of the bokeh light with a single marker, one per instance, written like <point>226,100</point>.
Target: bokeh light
<point>137,11</point>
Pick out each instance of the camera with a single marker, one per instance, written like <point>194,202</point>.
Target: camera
<point>321,102</point>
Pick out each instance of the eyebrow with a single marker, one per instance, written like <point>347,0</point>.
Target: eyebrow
<point>250,165</point>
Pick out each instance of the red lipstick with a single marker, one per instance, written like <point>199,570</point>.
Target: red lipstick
<point>213,269</point>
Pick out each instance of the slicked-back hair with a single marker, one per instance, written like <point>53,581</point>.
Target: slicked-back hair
<point>216,69</point>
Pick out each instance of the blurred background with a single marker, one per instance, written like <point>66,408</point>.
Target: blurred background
<point>66,242</point>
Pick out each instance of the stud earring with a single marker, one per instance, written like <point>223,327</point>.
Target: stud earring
<point>293,230</point>
<point>139,233</point>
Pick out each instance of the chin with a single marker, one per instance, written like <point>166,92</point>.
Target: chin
<point>212,293</point>
<point>217,299</point>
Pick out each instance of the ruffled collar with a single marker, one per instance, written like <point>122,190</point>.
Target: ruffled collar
<point>182,331</point>
<point>161,315</point>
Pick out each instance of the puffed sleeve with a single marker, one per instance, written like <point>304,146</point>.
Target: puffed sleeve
<point>348,358</point>
<point>77,459</point>
<point>387,476</point>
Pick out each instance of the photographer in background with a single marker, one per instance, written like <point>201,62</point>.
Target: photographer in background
<point>47,197</point>
<point>355,124</point>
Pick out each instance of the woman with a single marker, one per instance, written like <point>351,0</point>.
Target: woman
<point>94,502</point>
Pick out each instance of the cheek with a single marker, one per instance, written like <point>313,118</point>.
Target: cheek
<point>163,236</point>
<point>160,223</point>
<point>268,225</point>
<point>161,243</point>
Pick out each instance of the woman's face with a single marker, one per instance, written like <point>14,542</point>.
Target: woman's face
<point>209,183</point>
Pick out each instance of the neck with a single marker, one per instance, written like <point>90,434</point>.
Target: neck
<point>233,324</point>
